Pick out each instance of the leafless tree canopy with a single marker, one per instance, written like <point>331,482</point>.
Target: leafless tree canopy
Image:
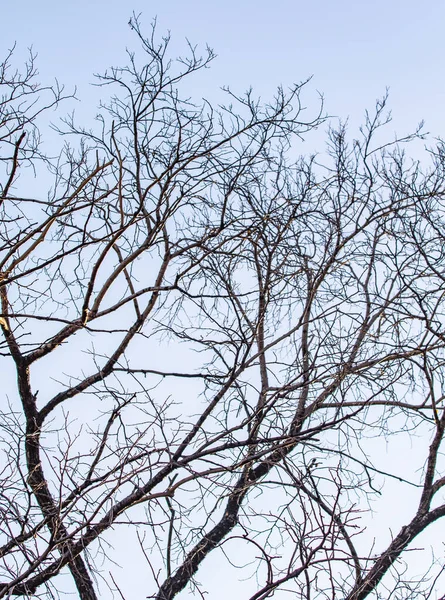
<point>210,345</point>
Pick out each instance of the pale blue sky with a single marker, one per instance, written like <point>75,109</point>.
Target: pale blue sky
<point>354,49</point>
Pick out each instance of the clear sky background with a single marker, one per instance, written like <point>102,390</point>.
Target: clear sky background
<point>354,49</point>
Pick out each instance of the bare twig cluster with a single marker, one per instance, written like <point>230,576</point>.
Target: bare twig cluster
<point>207,338</point>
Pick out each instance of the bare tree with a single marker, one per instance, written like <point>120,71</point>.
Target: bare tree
<point>209,340</point>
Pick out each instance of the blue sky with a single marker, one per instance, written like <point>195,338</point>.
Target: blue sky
<point>353,49</point>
